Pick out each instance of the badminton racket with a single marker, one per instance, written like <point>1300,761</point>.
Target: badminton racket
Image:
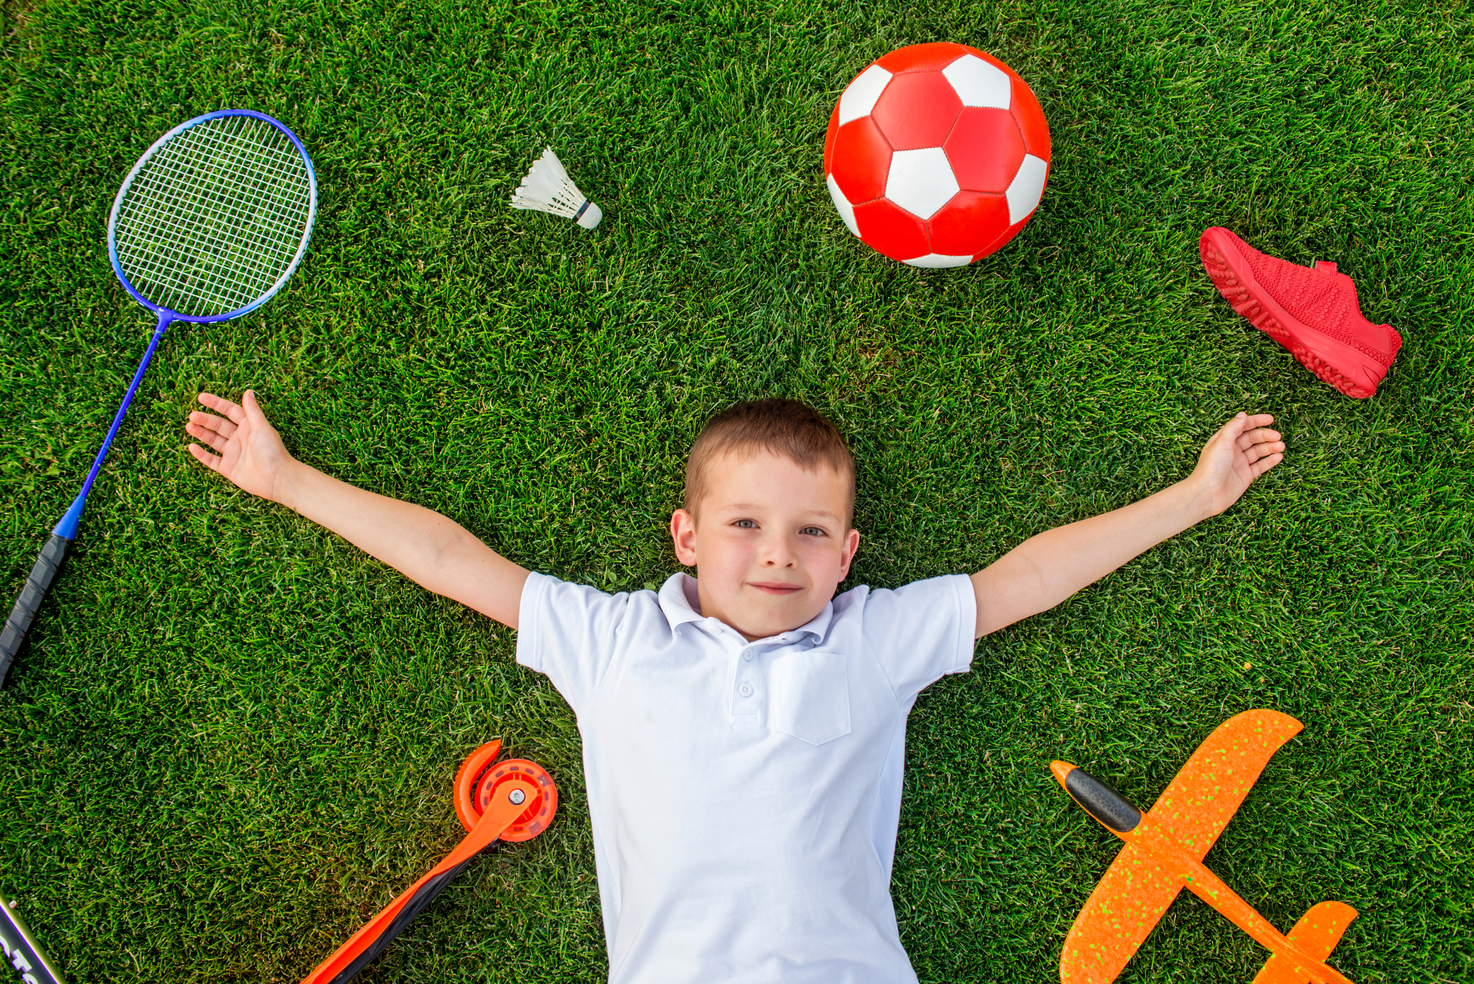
<point>211,222</point>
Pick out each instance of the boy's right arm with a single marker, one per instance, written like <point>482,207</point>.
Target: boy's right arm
<point>425,546</point>
<point>1047,568</point>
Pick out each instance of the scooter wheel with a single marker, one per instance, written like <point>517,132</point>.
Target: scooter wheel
<point>481,775</point>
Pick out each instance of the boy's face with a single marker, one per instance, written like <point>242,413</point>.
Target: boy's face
<point>771,545</point>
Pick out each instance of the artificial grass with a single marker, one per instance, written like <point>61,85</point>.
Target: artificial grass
<point>232,736</point>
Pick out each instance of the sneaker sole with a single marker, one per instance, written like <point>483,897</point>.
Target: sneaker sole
<point>1315,350</point>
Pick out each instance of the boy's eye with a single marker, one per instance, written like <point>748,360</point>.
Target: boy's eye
<point>745,524</point>
<point>812,531</point>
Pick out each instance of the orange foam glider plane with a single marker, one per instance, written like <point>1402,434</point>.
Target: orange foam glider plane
<point>1164,853</point>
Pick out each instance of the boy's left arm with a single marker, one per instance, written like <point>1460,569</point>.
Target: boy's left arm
<point>1046,569</point>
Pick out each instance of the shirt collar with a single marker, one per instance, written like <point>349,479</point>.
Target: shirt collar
<point>679,589</point>
<point>675,601</point>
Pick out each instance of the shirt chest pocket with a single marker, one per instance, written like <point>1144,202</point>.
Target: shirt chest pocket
<point>810,697</point>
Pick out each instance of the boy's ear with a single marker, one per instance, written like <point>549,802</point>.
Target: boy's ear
<point>683,535</point>
<point>851,545</point>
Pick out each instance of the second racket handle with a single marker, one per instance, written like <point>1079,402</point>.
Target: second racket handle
<point>38,582</point>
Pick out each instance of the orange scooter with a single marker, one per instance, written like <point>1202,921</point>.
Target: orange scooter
<point>513,800</point>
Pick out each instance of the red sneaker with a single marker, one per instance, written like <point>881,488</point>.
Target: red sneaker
<point>1312,311</point>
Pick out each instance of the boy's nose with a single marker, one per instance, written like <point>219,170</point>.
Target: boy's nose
<point>778,552</point>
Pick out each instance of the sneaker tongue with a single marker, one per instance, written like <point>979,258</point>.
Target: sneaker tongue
<point>1324,266</point>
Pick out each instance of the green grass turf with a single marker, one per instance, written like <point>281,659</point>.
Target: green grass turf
<point>232,736</point>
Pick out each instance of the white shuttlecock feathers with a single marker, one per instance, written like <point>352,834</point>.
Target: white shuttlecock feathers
<point>548,188</point>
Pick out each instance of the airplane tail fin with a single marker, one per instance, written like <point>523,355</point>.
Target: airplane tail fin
<point>1315,935</point>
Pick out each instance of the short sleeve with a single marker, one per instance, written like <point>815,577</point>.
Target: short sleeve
<point>569,632</point>
<point>922,632</point>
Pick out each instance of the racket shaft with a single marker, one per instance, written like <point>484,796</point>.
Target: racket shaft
<point>38,582</point>
<point>364,946</point>
<point>49,561</point>
<point>75,513</point>
<point>22,951</point>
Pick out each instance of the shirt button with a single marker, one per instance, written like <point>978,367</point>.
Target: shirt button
<point>747,655</point>
<point>745,690</point>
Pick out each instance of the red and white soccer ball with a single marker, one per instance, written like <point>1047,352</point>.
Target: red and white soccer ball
<point>937,154</point>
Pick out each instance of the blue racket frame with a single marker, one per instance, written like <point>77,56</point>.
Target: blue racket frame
<point>69,522</point>
<point>48,562</point>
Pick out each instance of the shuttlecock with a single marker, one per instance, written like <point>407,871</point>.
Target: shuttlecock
<point>548,188</point>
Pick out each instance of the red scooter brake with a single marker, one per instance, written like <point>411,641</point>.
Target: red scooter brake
<point>481,775</point>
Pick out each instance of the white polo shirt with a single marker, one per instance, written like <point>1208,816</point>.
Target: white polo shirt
<point>745,796</point>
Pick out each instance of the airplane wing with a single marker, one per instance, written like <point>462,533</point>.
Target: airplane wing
<point>1117,918</point>
<point>1125,907</point>
<point>1205,794</point>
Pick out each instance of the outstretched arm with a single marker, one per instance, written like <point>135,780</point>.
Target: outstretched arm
<point>1046,569</point>
<point>426,547</point>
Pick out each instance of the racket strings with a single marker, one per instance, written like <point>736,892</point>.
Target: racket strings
<point>220,215</point>
<point>215,217</point>
<point>233,218</point>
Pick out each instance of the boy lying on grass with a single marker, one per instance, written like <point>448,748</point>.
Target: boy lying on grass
<point>743,730</point>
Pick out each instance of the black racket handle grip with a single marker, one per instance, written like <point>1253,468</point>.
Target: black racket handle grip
<point>48,562</point>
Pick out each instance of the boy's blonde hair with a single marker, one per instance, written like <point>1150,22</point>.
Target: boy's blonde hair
<point>781,427</point>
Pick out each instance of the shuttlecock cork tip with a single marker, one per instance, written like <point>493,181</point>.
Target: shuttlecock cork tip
<point>592,215</point>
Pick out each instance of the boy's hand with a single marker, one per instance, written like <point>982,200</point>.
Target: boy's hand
<point>1240,452</point>
<point>251,452</point>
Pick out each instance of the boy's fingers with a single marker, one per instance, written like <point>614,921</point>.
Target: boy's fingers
<point>211,438</point>
<point>1262,435</point>
<point>210,422</point>
<point>253,409</point>
<point>210,461</point>
<point>215,402</point>
<point>231,410</point>
<point>1262,451</point>
<point>1265,464</point>
<point>1234,427</point>
<point>1248,421</point>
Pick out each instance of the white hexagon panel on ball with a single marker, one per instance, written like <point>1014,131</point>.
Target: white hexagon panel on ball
<point>921,181</point>
<point>939,261</point>
<point>1026,189</point>
<point>979,84</point>
<point>860,95</point>
<point>842,206</point>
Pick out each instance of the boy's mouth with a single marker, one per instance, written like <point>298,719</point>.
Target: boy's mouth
<point>774,587</point>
